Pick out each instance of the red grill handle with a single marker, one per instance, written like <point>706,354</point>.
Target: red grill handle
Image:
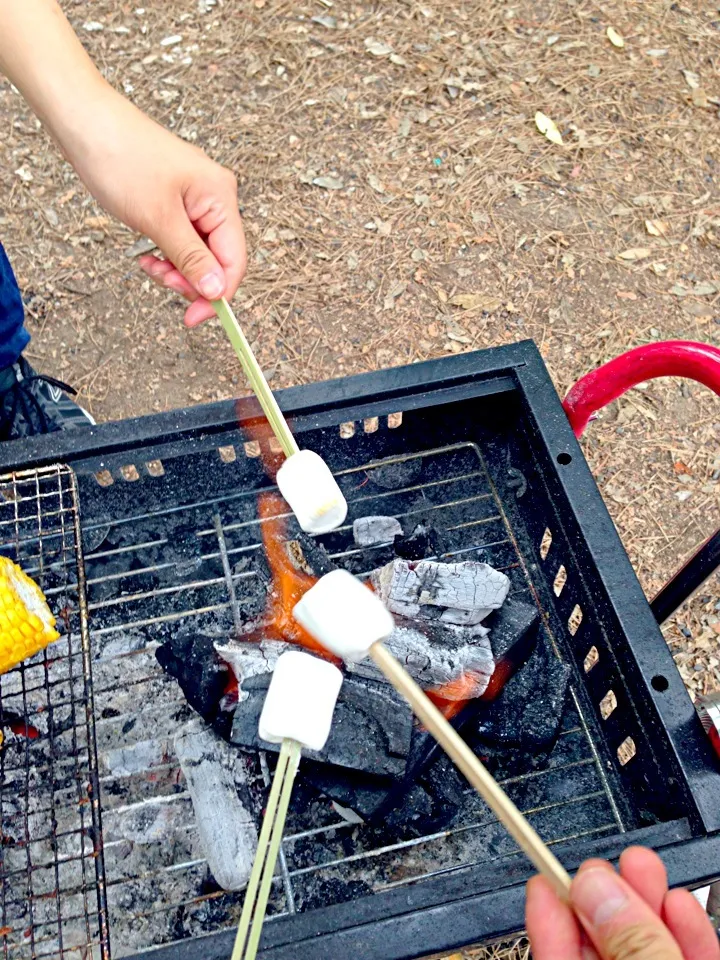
<point>673,358</point>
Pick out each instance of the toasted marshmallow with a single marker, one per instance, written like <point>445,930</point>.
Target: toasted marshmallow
<point>312,491</point>
<point>344,615</point>
<point>300,700</point>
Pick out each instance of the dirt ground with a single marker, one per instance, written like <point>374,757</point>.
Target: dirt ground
<point>401,204</point>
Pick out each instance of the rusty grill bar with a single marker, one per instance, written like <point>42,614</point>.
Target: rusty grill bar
<point>51,865</point>
<point>158,888</point>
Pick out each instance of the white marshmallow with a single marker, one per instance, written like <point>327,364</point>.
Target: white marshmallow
<point>312,491</point>
<point>344,615</point>
<point>300,700</point>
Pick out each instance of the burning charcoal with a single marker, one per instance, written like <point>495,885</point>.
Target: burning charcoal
<point>368,531</point>
<point>371,730</point>
<point>248,660</point>
<point>359,792</point>
<point>309,556</point>
<point>509,625</point>
<point>529,710</point>
<point>422,542</point>
<point>462,593</point>
<point>226,829</point>
<point>437,653</point>
<point>514,634</point>
<point>193,661</point>
<point>394,474</point>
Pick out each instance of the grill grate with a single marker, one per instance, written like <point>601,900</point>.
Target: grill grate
<point>192,565</point>
<point>51,865</point>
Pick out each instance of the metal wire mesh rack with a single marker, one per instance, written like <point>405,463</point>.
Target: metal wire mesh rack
<point>52,892</point>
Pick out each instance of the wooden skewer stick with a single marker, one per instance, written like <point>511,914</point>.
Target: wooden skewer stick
<point>254,373</point>
<point>288,750</point>
<point>274,849</point>
<point>475,772</point>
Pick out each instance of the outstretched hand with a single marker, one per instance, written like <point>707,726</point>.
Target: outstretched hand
<point>141,173</point>
<point>630,916</point>
<point>169,190</point>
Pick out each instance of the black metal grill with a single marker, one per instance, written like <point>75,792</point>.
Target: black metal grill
<point>172,542</point>
<point>51,869</point>
<point>159,585</point>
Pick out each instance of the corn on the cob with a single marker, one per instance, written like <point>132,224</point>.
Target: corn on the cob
<point>26,623</point>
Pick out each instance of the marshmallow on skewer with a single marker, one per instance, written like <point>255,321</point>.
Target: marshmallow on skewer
<point>300,700</point>
<point>306,482</point>
<point>344,615</point>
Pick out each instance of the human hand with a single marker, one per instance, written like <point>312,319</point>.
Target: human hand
<point>141,173</point>
<point>169,190</point>
<point>632,916</point>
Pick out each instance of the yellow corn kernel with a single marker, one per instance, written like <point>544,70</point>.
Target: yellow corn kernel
<point>26,623</point>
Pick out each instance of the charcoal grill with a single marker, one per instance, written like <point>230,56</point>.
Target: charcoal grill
<point>171,535</point>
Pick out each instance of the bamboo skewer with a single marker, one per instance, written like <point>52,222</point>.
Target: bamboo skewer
<point>254,373</point>
<point>475,772</point>
<point>274,849</point>
<point>258,888</point>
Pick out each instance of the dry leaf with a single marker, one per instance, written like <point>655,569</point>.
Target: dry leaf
<point>456,332</point>
<point>626,295</point>
<point>657,228</point>
<point>699,98</point>
<point>548,128</point>
<point>704,288</point>
<point>635,253</point>
<point>691,79</point>
<point>615,38</point>
<point>141,246</point>
<point>377,48</point>
<point>476,301</point>
<point>376,183</point>
<point>393,293</point>
<point>329,183</point>
<point>325,21</point>
<point>700,311</point>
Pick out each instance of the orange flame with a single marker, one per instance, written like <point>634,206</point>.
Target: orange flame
<point>289,583</point>
<point>288,586</point>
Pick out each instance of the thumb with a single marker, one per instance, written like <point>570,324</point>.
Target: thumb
<point>190,255</point>
<point>621,925</point>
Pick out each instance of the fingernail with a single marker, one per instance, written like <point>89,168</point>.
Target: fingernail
<point>211,286</point>
<point>599,895</point>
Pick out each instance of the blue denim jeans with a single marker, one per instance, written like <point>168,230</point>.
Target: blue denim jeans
<point>13,335</point>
